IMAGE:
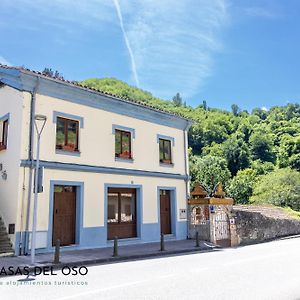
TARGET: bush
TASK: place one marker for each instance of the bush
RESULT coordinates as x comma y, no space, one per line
208,171
262,167
280,187
241,186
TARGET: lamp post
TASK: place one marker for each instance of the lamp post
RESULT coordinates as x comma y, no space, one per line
39,123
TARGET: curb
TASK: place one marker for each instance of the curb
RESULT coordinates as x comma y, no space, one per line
110,260
289,237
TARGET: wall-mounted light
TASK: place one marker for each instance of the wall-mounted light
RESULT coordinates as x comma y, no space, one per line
4,175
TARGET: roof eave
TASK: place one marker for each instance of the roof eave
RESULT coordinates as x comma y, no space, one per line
25,80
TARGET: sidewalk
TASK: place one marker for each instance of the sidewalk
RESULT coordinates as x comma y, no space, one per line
104,255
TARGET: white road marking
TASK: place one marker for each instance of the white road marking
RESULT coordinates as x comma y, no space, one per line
114,287
102,290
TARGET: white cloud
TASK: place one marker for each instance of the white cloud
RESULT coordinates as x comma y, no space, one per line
262,12
132,59
173,42
4,61
63,14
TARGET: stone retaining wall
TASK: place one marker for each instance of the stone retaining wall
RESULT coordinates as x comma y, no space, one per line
255,224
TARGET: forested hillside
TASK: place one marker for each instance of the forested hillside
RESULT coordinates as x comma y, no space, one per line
256,155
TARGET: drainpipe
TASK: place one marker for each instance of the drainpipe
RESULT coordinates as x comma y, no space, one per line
31,167
185,137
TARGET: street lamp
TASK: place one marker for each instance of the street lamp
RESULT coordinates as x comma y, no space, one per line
39,123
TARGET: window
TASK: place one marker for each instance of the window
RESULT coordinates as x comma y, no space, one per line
3,134
123,144
67,134
111,211
165,151
121,207
121,213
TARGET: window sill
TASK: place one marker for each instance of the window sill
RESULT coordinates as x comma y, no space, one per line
124,159
67,152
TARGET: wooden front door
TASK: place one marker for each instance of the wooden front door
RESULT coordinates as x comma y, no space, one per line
165,212
64,215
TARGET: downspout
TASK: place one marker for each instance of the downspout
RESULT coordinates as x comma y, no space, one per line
185,137
30,158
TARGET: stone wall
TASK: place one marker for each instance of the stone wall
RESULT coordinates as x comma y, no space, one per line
255,224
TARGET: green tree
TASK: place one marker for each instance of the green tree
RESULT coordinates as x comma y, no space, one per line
261,113
235,109
208,171
214,149
280,187
262,167
271,136
245,129
261,146
55,74
237,154
177,100
295,162
48,72
241,186
289,152
196,138
217,128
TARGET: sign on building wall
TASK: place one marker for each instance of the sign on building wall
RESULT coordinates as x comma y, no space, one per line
182,213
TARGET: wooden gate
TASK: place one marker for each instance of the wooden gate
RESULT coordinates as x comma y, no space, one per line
222,228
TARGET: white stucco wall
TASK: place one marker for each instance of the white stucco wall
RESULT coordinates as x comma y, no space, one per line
97,142
11,101
93,210
97,147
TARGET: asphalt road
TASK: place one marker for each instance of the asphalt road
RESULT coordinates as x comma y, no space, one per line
264,271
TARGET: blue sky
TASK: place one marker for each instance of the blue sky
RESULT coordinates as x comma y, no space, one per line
221,51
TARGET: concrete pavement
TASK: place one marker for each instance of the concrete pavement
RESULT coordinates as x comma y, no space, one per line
104,255
261,271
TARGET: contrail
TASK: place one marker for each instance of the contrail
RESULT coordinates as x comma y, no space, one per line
133,66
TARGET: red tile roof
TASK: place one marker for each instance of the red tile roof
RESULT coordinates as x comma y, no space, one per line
77,84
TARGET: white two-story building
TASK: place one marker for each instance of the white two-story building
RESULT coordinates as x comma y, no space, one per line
111,166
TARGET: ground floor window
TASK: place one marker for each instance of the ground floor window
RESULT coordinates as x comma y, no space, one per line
121,213
3,134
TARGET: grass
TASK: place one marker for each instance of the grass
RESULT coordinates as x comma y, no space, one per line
291,212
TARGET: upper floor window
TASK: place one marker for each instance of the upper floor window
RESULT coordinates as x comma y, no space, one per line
165,155
123,144
3,134
67,132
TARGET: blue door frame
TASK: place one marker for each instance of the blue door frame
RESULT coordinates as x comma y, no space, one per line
79,209
173,200
139,206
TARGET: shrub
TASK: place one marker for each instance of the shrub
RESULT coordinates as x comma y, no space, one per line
209,170
241,186
280,187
